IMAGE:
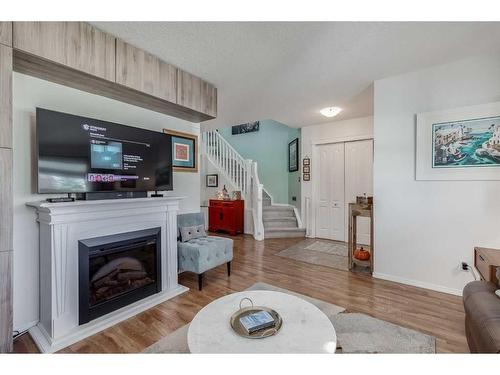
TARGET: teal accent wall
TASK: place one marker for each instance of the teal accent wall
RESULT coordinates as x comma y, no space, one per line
269,148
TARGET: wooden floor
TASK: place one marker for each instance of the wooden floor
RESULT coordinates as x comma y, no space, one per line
430,312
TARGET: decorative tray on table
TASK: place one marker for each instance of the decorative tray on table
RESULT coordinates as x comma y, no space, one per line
240,330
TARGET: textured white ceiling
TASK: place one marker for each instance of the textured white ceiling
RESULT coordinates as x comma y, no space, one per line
288,71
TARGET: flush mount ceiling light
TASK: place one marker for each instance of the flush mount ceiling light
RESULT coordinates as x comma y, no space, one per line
330,111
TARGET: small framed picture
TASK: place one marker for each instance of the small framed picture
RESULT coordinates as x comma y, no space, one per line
306,169
212,180
293,155
307,177
306,161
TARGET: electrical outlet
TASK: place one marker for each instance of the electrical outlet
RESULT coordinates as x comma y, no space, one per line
465,266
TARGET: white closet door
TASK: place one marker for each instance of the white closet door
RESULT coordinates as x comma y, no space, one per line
330,211
359,180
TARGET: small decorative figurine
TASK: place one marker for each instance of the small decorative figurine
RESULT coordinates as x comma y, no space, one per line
225,193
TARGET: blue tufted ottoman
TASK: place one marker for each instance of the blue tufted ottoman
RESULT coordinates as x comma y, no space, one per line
202,254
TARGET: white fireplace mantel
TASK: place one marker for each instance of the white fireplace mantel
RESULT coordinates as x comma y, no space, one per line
62,225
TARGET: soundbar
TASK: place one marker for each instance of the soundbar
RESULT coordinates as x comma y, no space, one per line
100,195
60,199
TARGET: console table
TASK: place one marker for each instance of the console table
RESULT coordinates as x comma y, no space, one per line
486,262
355,211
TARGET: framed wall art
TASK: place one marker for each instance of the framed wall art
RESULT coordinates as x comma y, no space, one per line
459,144
212,180
293,155
249,127
184,151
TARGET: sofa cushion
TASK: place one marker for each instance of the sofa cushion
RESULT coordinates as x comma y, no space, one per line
201,254
482,310
475,287
190,233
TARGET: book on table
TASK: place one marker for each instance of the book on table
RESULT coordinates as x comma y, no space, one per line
256,321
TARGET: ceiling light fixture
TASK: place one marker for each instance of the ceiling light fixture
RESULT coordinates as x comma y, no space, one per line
330,111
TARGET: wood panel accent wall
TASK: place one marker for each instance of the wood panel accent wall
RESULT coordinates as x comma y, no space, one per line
6,33
209,99
188,90
5,199
145,72
6,301
5,96
77,45
41,68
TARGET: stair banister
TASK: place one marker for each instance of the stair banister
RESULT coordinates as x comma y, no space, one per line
257,204
241,172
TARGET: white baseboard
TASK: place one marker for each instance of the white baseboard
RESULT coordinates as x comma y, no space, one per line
417,283
48,345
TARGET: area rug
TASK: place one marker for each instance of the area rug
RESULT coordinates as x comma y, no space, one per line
320,252
356,333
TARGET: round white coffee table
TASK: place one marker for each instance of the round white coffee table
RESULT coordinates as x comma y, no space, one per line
305,329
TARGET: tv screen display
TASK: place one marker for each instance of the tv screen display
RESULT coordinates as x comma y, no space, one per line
79,154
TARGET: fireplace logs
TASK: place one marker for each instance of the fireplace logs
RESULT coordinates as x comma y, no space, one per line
116,277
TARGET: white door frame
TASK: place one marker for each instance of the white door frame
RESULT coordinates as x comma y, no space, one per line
311,221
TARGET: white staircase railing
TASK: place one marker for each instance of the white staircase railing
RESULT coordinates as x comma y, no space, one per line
256,199
241,172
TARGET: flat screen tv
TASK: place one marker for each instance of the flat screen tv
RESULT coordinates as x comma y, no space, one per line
80,155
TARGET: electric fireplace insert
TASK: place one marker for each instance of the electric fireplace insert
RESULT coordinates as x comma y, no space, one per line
117,270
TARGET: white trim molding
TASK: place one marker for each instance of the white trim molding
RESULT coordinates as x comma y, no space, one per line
417,283
327,140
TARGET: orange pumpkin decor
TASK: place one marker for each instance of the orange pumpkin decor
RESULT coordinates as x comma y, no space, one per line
361,254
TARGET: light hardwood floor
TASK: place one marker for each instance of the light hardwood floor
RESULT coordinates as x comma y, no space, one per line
430,312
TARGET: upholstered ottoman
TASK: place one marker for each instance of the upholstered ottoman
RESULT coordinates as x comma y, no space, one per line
202,254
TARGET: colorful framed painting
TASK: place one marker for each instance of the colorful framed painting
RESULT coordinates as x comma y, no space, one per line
184,151
293,155
459,144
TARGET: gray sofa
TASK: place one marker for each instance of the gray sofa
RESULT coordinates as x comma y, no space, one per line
202,254
482,317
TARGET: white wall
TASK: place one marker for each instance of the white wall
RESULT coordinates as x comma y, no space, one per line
423,229
207,193
335,131
29,93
